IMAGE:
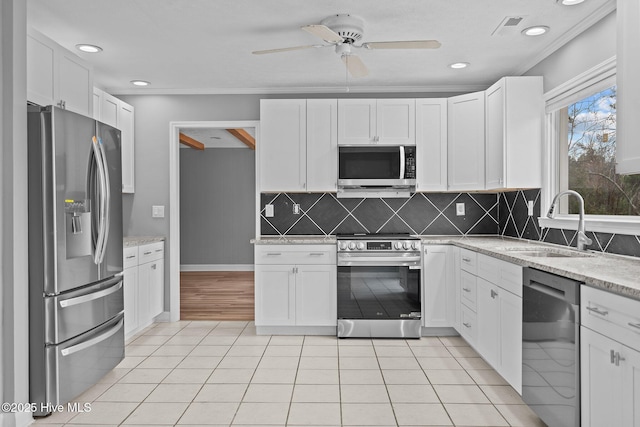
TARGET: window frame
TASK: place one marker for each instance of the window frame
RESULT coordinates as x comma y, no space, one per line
591,81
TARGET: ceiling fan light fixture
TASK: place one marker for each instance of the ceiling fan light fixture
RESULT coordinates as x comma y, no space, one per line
459,65
537,30
88,48
140,83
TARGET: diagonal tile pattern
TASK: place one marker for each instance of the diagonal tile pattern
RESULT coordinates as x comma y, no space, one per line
295,381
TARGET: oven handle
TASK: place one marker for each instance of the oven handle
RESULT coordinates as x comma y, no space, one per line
414,265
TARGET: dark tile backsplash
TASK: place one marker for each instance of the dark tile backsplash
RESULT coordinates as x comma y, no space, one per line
503,214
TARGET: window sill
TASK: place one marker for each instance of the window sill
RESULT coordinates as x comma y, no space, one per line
601,224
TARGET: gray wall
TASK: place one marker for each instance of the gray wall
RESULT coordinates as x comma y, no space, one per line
217,205
592,47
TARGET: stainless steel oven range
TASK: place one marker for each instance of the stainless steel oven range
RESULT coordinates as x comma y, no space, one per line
379,286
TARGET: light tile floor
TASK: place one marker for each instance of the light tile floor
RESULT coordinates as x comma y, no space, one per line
221,373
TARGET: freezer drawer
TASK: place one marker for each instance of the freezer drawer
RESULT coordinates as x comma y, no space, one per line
78,364
72,313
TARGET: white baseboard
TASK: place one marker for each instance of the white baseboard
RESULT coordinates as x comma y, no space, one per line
216,267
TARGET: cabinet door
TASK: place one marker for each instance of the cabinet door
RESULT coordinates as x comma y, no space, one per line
109,106
431,144
316,295
438,295
322,145
510,363
275,295
601,381
97,100
494,157
40,70
488,339
156,287
396,121
282,150
75,83
130,284
127,145
631,393
466,129
356,121
144,289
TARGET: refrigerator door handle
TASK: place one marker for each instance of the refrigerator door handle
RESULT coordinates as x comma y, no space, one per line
107,199
93,341
97,156
90,297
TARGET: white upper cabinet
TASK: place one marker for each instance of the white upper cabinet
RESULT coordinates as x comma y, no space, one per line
376,121
117,113
431,144
322,145
56,76
466,135
627,71
514,110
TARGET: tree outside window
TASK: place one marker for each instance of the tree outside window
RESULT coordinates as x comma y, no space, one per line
589,153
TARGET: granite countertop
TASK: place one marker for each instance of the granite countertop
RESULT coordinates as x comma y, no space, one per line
295,240
140,240
618,274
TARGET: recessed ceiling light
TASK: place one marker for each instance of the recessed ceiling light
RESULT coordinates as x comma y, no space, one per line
538,30
140,82
459,65
89,48
571,2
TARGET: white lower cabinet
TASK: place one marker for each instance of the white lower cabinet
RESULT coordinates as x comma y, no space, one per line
143,285
491,304
438,289
610,359
295,286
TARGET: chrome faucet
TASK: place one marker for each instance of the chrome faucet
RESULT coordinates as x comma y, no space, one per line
582,240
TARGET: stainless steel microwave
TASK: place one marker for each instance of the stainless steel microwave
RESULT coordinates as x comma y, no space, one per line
384,169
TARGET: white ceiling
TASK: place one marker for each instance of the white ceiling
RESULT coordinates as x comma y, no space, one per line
204,46
215,138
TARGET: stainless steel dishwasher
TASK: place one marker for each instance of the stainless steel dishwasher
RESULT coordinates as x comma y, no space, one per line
551,347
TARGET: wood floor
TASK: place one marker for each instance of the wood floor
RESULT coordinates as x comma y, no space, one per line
216,295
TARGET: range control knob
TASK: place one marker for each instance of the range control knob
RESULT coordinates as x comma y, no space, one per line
360,246
352,245
407,245
398,245
343,246
416,245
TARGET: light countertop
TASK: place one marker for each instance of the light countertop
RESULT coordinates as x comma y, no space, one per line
140,240
618,274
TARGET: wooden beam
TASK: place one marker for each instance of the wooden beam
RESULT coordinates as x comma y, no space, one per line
190,142
244,136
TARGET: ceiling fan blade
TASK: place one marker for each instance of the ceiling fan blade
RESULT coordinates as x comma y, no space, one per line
409,44
355,66
324,32
284,49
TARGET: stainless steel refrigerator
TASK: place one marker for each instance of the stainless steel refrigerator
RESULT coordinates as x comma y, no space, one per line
76,309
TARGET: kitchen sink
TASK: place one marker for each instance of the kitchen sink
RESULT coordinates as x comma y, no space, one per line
547,252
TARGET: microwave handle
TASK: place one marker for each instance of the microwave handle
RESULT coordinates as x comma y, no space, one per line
402,162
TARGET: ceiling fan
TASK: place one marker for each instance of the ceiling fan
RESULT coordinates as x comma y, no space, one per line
342,32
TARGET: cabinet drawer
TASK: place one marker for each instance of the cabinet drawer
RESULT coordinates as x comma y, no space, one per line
468,260
502,273
611,315
130,257
151,252
468,289
468,325
295,254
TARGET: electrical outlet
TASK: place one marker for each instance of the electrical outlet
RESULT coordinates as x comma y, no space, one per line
157,211
530,207
296,209
460,209
268,210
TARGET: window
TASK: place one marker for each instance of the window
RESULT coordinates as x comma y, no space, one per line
587,157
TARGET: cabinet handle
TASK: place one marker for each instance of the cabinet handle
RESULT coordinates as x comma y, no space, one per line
294,270
616,358
466,259
159,250
131,256
148,253
467,325
316,253
494,294
634,325
274,253
466,289
62,104
153,267
597,311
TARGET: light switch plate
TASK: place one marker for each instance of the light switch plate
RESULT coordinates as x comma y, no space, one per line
460,209
530,207
157,211
268,211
